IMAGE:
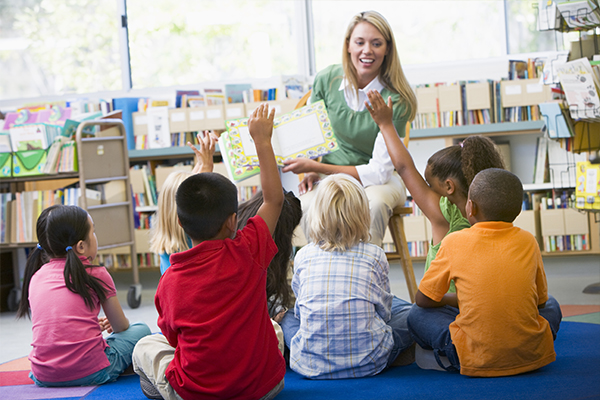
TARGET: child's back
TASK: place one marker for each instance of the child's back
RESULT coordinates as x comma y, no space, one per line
500,284
346,323
500,280
344,300
212,303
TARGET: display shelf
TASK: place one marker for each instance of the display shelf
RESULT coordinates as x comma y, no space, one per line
72,175
499,129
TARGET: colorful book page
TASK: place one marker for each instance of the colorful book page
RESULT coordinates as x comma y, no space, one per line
302,133
235,170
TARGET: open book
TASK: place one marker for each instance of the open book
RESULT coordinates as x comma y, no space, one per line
302,133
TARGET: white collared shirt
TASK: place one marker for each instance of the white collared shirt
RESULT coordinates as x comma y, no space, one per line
380,168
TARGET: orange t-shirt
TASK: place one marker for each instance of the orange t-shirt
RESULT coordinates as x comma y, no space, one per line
500,281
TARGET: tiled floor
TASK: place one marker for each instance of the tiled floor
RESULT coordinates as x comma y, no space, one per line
567,277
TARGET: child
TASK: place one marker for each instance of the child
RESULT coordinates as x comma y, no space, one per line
347,324
218,340
442,195
279,293
65,293
167,236
507,321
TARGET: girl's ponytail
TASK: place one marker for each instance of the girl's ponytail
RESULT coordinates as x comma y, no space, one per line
34,263
77,280
478,153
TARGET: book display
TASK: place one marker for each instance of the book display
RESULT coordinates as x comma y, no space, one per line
302,133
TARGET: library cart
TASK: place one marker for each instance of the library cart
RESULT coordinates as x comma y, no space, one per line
104,159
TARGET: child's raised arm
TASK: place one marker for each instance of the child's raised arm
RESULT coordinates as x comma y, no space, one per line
425,197
260,126
204,155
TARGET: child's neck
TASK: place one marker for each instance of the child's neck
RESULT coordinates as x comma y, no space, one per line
460,202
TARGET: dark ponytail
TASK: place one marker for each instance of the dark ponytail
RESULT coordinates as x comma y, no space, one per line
462,162
61,228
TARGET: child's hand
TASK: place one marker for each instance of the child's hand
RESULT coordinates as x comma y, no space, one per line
380,111
260,124
105,325
204,155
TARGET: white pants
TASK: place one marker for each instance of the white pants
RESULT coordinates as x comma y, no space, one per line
153,354
382,200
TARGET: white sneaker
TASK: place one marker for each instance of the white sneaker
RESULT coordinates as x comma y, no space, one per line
426,359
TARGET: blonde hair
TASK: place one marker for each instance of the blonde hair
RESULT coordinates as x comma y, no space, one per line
391,73
339,217
167,236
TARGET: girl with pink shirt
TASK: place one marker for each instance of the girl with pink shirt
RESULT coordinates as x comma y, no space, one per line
62,294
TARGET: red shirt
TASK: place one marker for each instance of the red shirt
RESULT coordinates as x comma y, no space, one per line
212,308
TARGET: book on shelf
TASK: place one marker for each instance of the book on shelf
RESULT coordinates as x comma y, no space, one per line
181,97
580,84
302,133
237,92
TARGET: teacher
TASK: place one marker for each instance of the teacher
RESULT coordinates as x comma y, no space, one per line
369,62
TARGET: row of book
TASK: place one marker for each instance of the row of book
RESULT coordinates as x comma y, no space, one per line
573,236
486,101
555,162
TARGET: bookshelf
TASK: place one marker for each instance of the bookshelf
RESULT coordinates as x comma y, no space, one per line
101,160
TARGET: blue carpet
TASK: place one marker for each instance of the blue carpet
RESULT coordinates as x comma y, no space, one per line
574,375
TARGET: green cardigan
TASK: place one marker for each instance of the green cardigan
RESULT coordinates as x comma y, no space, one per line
355,130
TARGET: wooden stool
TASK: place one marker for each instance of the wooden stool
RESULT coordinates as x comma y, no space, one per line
396,226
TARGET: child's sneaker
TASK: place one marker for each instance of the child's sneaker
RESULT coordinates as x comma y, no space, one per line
426,359
406,357
148,389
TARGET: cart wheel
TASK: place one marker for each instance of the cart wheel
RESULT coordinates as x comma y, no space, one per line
14,297
134,299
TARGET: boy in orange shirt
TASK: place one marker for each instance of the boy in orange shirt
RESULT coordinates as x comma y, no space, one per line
501,320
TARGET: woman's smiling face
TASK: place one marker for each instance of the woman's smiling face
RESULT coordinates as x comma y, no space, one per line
367,48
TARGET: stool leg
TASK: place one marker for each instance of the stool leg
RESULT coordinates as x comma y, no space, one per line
397,231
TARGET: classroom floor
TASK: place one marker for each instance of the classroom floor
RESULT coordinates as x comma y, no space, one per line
567,277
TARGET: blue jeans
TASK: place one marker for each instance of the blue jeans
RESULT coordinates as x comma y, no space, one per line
402,339
118,353
430,328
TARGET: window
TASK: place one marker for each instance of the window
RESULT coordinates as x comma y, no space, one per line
425,31
52,46
187,41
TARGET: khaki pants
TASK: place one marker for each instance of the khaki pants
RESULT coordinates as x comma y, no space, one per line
382,200
153,354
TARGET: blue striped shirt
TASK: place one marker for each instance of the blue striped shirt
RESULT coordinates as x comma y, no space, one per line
343,301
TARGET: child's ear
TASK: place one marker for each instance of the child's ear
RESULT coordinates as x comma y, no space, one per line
231,223
80,247
450,186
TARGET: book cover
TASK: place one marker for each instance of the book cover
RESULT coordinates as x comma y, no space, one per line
305,132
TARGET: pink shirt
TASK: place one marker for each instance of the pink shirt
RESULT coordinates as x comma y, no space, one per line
67,340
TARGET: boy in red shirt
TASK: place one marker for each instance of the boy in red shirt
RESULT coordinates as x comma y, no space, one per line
218,341
501,320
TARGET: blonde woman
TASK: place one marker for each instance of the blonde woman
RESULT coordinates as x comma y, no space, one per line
369,62
167,236
346,323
